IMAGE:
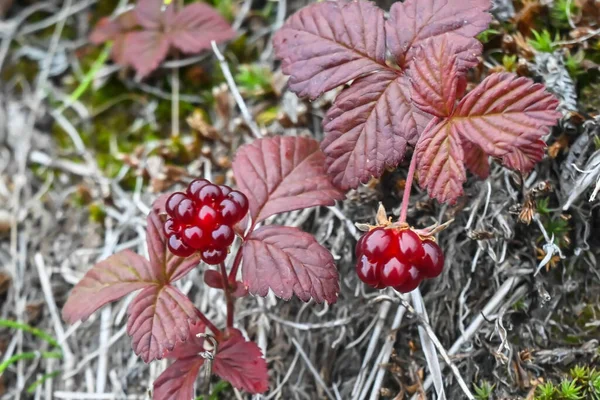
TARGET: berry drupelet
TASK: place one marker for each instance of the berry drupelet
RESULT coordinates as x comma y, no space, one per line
398,258
202,219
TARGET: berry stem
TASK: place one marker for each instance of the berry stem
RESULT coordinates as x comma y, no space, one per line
228,297
407,188
236,265
208,323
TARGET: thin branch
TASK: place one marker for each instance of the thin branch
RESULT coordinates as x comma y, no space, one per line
235,92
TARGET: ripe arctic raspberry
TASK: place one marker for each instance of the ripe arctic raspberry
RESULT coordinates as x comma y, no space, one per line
202,219
398,258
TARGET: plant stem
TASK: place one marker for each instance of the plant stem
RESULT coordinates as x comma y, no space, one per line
407,188
208,323
235,266
230,300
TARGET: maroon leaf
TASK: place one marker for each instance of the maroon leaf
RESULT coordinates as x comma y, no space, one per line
368,128
158,206
476,160
440,160
411,22
108,281
523,158
192,346
190,30
505,116
146,50
158,318
213,279
505,112
194,27
149,13
237,361
168,267
435,73
177,381
289,261
110,28
328,44
241,363
281,174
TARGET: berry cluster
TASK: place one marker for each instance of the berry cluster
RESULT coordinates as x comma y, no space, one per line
397,258
202,220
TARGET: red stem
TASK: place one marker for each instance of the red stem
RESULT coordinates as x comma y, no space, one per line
230,300
407,188
236,265
208,323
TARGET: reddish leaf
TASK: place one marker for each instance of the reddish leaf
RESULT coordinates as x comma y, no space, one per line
289,261
190,30
110,28
328,44
149,13
505,112
194,27
213,279
158,318
146,50
192,346
108,281
237,361
168,267
281,174
413,21
505,116
435,73
368,128
476,160
177,381
523,158
158,206
241,363
440,161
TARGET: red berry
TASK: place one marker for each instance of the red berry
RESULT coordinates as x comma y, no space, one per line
177,247
432,262
410,247
222,236
173,201
394,272
412,281
229,211
241,200
214,256
367,271
225,190
378,244
194,188
209,194
171,227
194,237
207,217
184,212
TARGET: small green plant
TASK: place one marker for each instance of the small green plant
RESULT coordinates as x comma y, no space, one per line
583,382
561,11
573,63
509,62
487,35
254,80
569,390
545,391
542,41
484,390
